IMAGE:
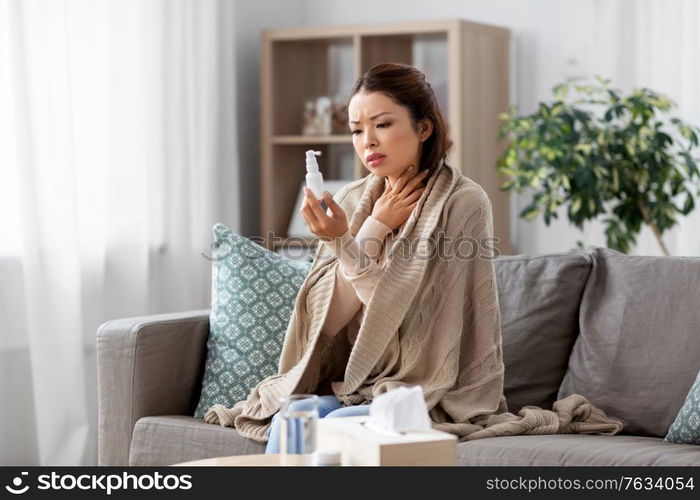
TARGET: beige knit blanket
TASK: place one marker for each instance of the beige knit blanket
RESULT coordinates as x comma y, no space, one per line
458,364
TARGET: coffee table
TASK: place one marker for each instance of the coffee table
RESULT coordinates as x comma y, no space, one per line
269,459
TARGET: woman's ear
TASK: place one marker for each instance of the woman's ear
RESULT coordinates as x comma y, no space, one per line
426,129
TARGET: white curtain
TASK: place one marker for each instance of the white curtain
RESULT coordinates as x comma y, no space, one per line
655,44
116,128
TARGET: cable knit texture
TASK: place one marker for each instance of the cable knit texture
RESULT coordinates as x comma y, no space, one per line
430,321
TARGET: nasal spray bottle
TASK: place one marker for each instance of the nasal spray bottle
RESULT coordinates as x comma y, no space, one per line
314,178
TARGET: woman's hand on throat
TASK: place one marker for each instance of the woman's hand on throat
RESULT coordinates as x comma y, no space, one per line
397,202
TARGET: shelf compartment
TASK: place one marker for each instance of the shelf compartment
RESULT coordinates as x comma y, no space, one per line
307,69
426,51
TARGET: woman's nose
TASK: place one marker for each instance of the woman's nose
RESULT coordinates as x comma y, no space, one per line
370,140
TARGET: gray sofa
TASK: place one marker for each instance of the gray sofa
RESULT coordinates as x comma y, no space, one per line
621,330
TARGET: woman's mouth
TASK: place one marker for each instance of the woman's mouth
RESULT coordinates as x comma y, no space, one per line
376,161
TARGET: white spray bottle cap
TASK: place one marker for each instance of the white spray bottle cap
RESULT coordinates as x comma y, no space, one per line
311,163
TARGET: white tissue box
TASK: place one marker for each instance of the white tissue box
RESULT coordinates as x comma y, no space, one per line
360,445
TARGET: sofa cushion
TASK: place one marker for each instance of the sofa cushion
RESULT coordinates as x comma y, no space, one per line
576,449
253,294
686,426
638,350
167,440
539,297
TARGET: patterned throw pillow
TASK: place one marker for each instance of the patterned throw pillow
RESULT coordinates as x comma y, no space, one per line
253,296
686,428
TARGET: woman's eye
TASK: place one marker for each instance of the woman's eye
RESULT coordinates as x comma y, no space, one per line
384,125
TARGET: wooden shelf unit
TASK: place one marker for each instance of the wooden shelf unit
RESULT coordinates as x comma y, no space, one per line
467,64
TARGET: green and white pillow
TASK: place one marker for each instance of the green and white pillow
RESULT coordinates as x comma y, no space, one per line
685,429
253,296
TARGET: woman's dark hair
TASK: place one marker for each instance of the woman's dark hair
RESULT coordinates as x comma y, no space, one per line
407,86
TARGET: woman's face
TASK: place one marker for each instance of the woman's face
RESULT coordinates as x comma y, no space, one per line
379,126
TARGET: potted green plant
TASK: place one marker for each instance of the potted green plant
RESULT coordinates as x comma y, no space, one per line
601,152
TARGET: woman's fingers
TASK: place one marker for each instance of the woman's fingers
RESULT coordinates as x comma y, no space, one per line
415,195
403,179
332,205
308,218
307,212
310,225
415,181
325,225
315,205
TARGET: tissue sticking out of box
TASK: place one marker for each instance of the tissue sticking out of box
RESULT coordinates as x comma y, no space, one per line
399,411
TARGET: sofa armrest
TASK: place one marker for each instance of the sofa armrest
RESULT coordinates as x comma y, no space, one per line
148,365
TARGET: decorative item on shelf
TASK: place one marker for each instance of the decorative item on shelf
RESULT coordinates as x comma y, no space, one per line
317,116
309,126
340,115
297,225
325,115
324,107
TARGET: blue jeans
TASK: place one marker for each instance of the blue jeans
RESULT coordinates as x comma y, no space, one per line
328,407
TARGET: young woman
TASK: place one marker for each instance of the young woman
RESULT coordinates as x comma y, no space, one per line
400,134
